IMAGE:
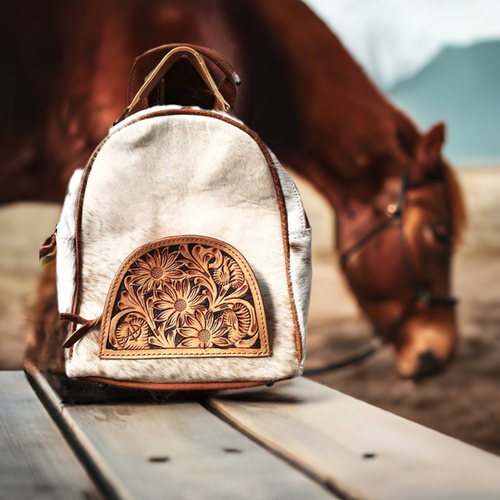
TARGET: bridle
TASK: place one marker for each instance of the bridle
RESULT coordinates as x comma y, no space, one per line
421,298
395,217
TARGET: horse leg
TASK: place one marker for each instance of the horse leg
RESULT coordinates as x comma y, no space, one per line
46,334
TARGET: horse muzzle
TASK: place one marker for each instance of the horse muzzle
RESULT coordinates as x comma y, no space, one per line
425,341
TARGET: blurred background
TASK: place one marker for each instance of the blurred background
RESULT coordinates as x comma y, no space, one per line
438,60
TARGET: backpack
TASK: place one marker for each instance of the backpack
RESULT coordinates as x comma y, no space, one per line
183,248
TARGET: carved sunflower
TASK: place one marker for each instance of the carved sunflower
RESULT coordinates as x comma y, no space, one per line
229,274
203,331
132,333
156,268
178,302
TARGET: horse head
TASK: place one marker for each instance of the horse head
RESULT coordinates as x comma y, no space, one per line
398,206
396,242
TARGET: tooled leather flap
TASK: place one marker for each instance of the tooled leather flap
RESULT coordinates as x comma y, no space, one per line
184,296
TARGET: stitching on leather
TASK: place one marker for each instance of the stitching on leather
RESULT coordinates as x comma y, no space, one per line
218,59
286,240
299,203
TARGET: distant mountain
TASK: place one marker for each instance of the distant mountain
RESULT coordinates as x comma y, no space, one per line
395,39
439,60
461,87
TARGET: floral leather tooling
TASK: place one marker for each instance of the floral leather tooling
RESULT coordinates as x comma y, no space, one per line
184,296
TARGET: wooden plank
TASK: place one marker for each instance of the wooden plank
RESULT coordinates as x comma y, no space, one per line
176,450
35,461
364,452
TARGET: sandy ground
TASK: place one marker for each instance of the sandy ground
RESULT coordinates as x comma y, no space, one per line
23,227
462,402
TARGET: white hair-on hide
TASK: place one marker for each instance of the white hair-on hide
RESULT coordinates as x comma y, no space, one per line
66,255
300,238
187,174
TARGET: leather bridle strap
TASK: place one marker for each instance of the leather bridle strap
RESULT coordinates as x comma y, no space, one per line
363,241
372,347
420,296
396,214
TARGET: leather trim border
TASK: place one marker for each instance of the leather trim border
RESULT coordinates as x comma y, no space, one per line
277,184
150,386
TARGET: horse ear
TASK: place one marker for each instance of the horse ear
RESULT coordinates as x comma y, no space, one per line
431,145
427,152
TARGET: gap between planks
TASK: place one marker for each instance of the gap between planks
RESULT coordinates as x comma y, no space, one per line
364,452
326,482
114,441
98,470
35,459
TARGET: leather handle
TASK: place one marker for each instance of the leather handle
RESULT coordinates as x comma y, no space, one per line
146,62
164,65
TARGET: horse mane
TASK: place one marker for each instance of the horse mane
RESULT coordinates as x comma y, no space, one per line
457,203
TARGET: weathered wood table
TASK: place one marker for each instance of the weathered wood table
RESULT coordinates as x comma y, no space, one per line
297,440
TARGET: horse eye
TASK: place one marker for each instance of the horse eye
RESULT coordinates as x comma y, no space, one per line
441,234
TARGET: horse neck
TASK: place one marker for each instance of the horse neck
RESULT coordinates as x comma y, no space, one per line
360,202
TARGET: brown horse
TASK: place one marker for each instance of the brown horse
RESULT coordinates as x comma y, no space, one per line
398,205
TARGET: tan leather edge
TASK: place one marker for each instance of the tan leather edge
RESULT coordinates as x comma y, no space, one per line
279,193
147,386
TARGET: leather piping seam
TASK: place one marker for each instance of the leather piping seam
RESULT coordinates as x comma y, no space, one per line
277,184
174,386
286,242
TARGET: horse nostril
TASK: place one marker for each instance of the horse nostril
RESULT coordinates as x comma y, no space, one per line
429,364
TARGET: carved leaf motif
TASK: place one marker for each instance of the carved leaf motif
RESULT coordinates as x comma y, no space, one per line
244,344
238,319
184,297
229,274
162,340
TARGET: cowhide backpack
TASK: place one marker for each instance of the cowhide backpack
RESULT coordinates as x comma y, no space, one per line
183,248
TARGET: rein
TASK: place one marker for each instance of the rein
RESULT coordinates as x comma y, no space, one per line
421,297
